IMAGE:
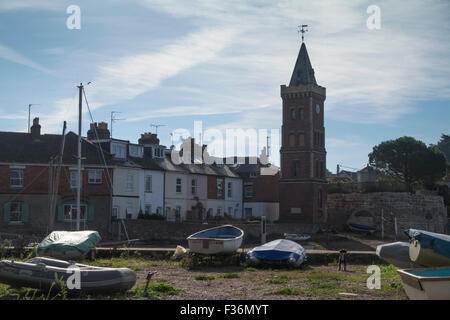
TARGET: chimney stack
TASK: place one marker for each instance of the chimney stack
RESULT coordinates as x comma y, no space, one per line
36,129
102,131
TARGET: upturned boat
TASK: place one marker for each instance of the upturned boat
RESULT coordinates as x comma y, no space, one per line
280,251
47,274
361,221
426,283
224,239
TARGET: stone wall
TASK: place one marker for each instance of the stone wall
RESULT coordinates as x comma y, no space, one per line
412,211
177,232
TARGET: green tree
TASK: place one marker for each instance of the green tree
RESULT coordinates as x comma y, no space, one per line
410,161
444,146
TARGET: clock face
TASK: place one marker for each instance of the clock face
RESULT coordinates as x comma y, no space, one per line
317,108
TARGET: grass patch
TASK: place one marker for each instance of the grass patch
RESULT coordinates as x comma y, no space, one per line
286,292
250,269
203,277
230,276
156,290
279,279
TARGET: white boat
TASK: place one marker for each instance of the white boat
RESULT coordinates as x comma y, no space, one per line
426,283
297,237
224,239
397,254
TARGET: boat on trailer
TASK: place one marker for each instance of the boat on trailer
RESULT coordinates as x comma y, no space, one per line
224,239
41,273
426,283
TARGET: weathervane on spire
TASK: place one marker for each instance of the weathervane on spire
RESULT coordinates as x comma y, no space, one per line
301,29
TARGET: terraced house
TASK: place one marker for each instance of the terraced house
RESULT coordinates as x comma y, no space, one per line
38,194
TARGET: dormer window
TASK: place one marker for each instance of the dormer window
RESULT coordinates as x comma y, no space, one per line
119,150
136,151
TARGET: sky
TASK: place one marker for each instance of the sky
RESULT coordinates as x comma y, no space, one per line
173,62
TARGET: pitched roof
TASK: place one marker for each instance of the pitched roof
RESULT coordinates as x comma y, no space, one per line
303,72
18,147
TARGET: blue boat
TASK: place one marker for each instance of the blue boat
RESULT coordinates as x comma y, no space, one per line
362,221
279,251
428,248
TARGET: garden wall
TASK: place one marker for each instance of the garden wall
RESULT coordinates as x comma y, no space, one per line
412,210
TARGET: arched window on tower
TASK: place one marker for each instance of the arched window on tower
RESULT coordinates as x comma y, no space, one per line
291,140
293,114
296,168
301,139
319,199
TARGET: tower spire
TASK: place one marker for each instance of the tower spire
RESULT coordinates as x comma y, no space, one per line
303,73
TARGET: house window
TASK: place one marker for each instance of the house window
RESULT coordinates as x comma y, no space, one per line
148,184
136,151
119,150
115,212
73,179
130,182
301,139
159,210
194,186
248,190
70,212
230,211
219,188
95,176
148,209
16,178
219,211
248,212
178,185
253,174
178,213
15,212
129,211
230,189
292,113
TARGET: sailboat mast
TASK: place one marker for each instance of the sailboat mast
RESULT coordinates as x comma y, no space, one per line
80,87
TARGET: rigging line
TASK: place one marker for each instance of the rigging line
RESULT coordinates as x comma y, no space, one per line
99,147
14,197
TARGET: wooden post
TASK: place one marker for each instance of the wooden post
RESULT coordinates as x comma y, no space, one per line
395,227
382,225
263,230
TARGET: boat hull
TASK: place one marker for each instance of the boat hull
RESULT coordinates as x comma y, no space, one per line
41,273
279,252
426,283
426,256
397,254
218,240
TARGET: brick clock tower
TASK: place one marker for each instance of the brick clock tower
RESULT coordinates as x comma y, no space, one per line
303,185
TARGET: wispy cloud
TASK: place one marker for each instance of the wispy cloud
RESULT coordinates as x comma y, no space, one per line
13,56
